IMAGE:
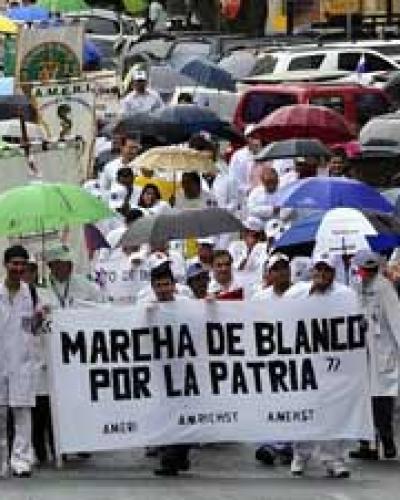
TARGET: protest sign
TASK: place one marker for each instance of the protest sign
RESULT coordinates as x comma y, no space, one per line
196,372
48,53
67,109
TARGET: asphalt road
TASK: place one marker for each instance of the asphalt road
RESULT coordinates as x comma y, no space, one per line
218,472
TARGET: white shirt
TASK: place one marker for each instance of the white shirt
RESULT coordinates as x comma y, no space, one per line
205,200
226,192
240,168
302,289
267,293
76,291
182,292
214,287
239,251
261,204
109,174
141,103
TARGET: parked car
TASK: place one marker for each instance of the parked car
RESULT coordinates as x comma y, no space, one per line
108,30
350,59
358,104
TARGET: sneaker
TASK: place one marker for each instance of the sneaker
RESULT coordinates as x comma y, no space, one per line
166,472
22,474
298,465
337,470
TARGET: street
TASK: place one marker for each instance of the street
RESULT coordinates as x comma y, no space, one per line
218,472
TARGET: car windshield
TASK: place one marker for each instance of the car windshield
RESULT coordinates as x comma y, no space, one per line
186,50
259,104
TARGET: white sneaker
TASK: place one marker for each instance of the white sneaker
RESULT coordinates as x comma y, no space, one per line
337,469
298,465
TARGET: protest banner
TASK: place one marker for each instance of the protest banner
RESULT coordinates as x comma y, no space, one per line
67,109
198,372
48,53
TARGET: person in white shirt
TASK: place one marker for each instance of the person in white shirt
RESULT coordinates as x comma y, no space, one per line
223,281
130,148
18,367
261,202
192,195
150,201
242,163
323,284
250,252
141,99
66,288
158,15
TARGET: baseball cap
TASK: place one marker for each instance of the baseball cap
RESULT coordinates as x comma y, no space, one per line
325,258
195,270
367,259
59,253
206,241
274,259
253,224
157,259
139,74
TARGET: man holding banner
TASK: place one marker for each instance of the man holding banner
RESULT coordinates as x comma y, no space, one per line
331,453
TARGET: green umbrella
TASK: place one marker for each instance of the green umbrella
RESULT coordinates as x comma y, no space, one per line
63,5
42,207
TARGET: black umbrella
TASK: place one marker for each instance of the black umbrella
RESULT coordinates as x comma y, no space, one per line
293,148
180,224
15,106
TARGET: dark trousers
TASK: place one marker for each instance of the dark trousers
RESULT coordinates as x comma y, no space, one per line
42,431
171,457
382,411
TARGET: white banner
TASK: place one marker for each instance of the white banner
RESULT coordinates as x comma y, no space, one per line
67,110
199,372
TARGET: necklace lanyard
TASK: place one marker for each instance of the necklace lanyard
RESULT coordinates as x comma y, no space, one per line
62,299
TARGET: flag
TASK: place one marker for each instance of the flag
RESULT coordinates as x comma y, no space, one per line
362,65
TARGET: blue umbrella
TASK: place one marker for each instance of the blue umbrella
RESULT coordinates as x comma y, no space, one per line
341,230
324,193
28,13
208,74
192,119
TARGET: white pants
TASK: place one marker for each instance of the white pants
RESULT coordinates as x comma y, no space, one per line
328,451
22,452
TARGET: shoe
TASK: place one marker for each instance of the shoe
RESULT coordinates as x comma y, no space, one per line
22,474
151,451
166,472
266,455
364,453
298,465
337,470
389,448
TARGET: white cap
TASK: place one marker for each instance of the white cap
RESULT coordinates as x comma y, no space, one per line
156,259
274,228
253,224
249,129
206,241
117,196
367,259
93,187
59,253
325,258
139,74
274,259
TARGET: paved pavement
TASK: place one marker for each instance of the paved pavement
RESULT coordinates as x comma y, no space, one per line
218,472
